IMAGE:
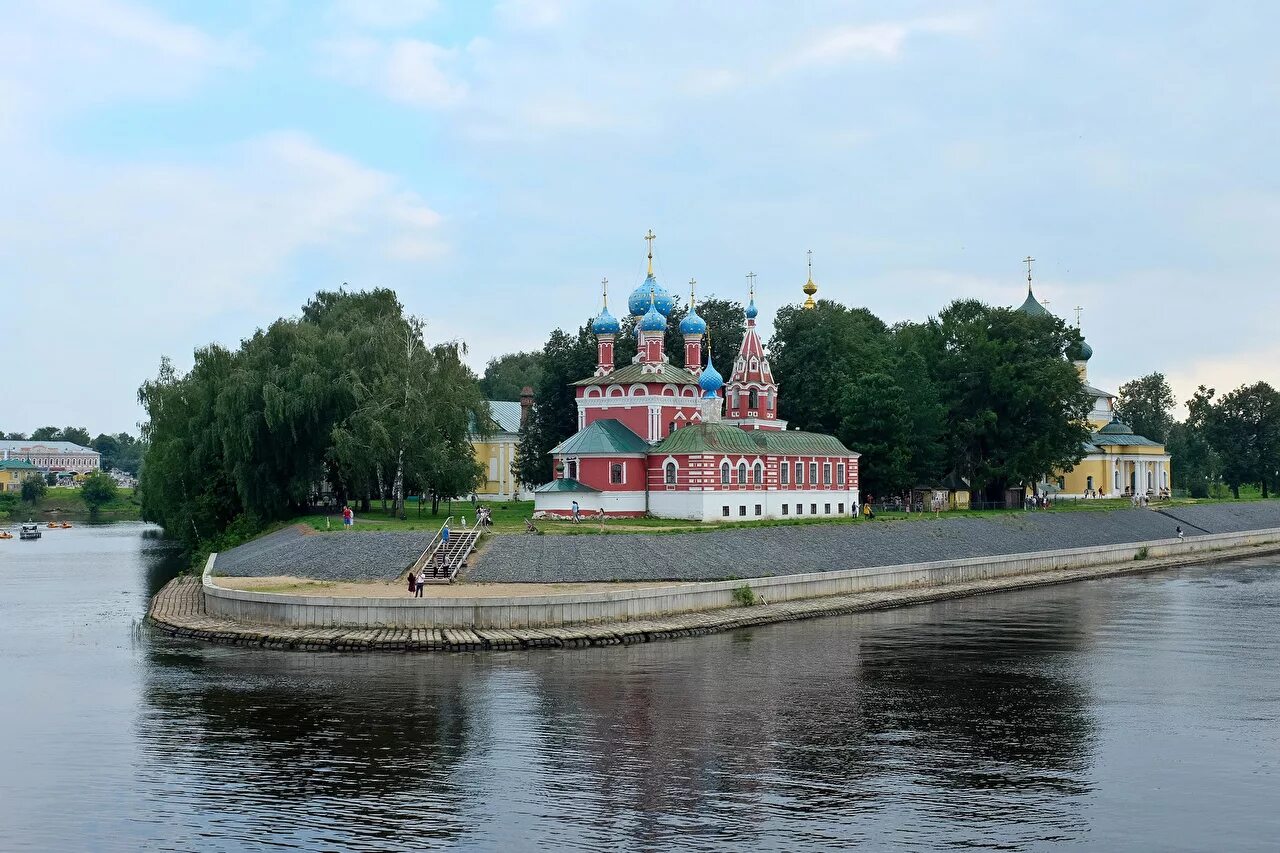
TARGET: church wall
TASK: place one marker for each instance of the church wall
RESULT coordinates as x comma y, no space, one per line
616,504
742,505
593,471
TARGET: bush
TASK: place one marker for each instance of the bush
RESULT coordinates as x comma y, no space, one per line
1199,490
98,489
1142,553
744,596
34,489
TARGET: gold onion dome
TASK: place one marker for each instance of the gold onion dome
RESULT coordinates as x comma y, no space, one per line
809,287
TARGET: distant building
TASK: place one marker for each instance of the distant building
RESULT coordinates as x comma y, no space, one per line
55,456
496,453
13,472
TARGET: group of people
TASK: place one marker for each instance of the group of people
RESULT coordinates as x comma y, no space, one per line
576,515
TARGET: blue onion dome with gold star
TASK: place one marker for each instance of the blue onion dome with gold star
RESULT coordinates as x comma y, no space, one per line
693,324
710,381
606,323
652,321
638,302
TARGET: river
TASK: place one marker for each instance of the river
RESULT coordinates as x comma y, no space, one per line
1138,713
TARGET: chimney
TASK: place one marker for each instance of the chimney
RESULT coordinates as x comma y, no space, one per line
526,404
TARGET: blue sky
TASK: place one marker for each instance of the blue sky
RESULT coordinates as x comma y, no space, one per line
185,172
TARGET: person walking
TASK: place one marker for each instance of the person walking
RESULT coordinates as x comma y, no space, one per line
600,518
413,582
577,518
444,534
348,517
1179,532
422,581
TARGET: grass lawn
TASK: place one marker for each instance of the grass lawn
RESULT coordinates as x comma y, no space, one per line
508,517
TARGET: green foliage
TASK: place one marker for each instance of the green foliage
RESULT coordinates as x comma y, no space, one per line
565,359
46,433
1141,553
33,489
744,596
121,451
983,391
348,394
1243,428
505,376
1146,404
97,490
51,479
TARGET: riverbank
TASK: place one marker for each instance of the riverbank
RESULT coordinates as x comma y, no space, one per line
183,609
61,503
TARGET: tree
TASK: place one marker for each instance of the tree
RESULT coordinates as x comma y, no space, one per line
75,435
505,376
1244,430
1015,407
15,436
97,490
877,422
1146,405
565,359
33,489
46,433
51,479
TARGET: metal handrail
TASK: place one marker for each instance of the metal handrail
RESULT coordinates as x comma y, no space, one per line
422,558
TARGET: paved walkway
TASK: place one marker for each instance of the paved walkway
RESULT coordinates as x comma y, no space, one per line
798,549
178,609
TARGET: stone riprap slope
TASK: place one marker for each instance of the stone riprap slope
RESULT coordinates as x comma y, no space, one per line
766,551
302,552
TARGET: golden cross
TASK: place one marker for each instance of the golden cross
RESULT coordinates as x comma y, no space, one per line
649,238
1028,260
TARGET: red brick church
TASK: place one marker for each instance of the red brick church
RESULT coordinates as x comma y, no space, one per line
679,442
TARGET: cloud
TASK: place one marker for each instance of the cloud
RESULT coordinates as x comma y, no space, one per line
381,14
410,71
842,44
56,57
161,254
530,14
1225,373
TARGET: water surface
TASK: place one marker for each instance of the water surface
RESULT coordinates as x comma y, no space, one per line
1134,713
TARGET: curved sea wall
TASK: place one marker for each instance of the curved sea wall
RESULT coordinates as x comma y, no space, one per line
627,605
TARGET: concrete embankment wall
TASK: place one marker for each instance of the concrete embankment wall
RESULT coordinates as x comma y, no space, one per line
633,604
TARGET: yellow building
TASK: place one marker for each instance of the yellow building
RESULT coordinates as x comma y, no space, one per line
1116,462
498,451
13,472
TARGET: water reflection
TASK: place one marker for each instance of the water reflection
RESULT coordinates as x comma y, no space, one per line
1008,722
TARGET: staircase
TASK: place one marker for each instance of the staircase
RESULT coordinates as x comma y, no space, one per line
442,560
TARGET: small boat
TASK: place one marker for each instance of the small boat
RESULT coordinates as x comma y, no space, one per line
30,530
53,525
4,534
66,525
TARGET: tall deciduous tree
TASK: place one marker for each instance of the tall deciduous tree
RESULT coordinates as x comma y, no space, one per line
505,376
1244,430
1146,404
566,358
97,490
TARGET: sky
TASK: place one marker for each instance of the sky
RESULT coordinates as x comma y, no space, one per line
180,173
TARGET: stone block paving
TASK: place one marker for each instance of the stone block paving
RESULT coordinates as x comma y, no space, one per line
787,550
300,551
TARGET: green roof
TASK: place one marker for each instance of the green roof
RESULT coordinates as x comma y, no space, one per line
1032,307
1118,433
667,373
11,464
564,484
723,438
603,436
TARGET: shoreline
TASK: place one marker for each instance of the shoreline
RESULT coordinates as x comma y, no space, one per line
179,610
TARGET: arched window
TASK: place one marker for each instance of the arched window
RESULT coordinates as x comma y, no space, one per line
1117,479
1088,483
615,473
671,427
755,365
753,399
724,473
671,474
757,474
784,471
571,470
742,473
